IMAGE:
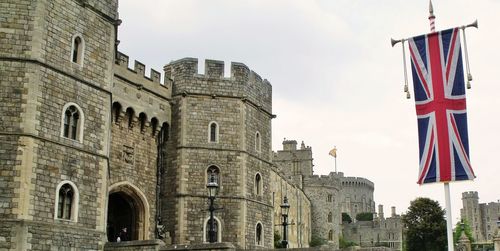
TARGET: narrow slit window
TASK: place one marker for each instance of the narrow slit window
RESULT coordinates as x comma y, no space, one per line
77,50
213,132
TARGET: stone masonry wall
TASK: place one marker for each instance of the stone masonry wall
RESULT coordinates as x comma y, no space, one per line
35,58
319,189
299,234
356,195
134,144
16,33
241,107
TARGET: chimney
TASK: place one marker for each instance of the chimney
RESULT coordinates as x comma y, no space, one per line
381,212
393,211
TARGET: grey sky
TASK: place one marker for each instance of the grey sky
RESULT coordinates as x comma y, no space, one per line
336,80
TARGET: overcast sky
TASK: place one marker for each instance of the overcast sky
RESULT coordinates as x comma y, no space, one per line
336,80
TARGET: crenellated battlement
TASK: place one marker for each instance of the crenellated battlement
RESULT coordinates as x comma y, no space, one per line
356,181
322,180
139,68
470,195
242,83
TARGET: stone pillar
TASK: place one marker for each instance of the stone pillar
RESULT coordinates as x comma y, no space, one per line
463,243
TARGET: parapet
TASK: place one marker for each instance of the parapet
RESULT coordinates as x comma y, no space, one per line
138,77
106,7
242,83
328,181
289,145
470,195
357,182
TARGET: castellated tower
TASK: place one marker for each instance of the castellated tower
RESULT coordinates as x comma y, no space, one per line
322,191
56,60
221,127
356,195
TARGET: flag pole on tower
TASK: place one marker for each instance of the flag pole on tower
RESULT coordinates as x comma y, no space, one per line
333,153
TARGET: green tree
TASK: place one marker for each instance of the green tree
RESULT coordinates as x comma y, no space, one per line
343,243
346,218
426,227
365,216
458,231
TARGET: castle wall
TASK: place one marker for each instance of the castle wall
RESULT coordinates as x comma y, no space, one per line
379,232
241,108
481,217
323,192
356,195
293,161
299,234
35,59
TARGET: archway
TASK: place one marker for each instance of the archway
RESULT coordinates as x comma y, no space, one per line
127,209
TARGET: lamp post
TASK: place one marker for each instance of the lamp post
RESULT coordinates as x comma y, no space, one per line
212,187
285,208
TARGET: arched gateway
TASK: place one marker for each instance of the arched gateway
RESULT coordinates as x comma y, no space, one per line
127,209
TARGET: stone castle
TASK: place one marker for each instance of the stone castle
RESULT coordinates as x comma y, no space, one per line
481,217
90,147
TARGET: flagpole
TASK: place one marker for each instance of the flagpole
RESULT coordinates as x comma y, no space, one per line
449,229
448,216
335,164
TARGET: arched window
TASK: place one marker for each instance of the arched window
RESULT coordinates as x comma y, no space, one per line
130,117
217,229
163,136
72,122
66,206
117,109
258,184
330,217
142,120
213,171
213,132
154,126
257,141
330,235
77,50
259,236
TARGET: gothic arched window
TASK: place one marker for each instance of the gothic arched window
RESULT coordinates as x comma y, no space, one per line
66,206
330,217
217,230
72,122
330,235
213,171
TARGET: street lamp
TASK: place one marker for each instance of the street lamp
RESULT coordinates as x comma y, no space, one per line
285,208
213,188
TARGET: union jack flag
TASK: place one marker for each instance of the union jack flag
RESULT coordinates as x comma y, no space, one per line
438,82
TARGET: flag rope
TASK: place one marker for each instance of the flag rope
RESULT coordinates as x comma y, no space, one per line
467,67
404,70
